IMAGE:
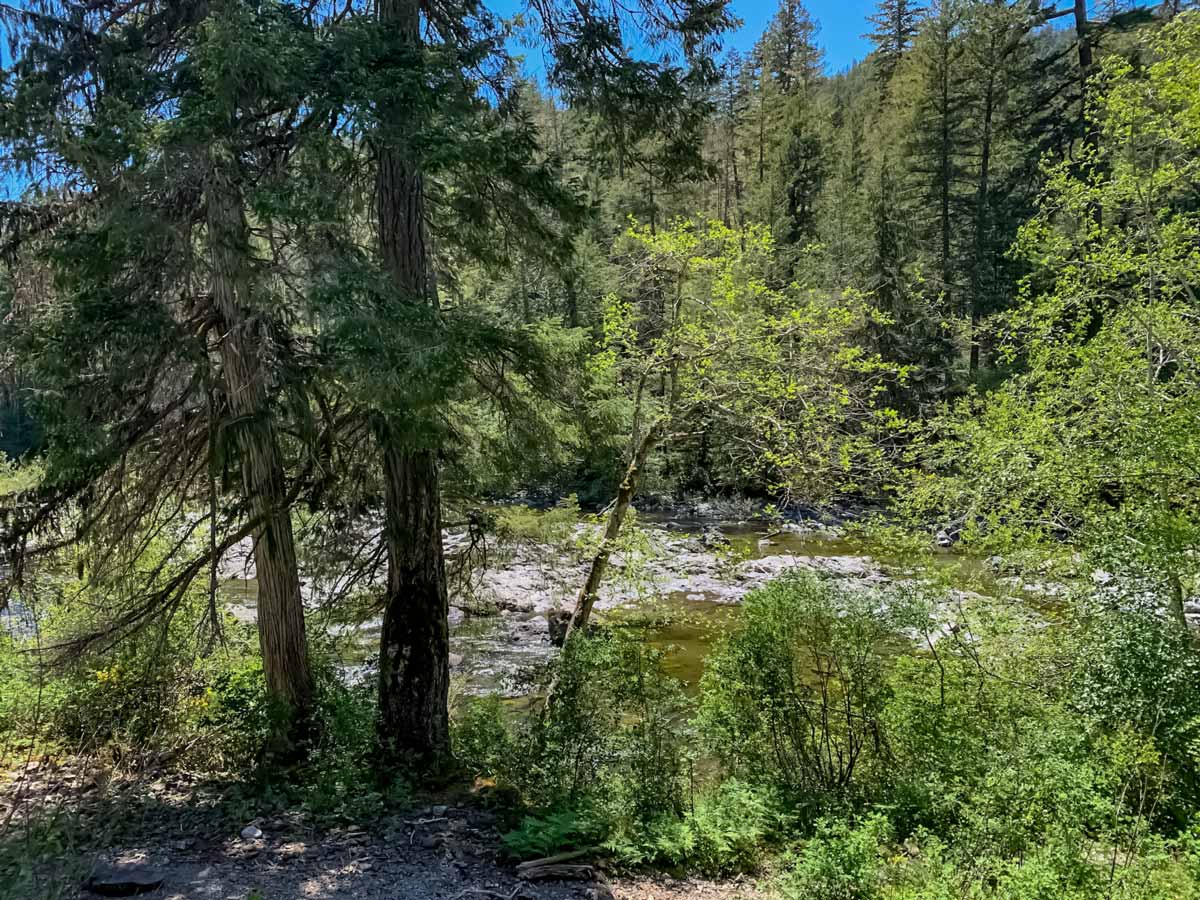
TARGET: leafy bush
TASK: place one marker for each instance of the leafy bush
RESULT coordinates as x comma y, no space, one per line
727,829
1135,669
543,835
840,862
606,757
518,523
794,695
336,778
992,745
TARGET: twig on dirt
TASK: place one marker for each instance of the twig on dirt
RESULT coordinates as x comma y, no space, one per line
563,857
429,821
486,893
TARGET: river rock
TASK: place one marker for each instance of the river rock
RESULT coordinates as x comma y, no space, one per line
559,621
251,833
124,880
534,629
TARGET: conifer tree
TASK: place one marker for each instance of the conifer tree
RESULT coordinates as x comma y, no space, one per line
164,345
896,23
804,169
996,67
791,57
595,69
935,147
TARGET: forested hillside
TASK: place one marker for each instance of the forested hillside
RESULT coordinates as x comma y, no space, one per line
542,448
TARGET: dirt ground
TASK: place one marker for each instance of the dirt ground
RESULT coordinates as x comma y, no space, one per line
61,826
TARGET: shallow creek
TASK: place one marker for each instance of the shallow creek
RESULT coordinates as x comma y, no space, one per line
683,590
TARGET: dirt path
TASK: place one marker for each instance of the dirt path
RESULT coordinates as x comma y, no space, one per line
59,828
436,853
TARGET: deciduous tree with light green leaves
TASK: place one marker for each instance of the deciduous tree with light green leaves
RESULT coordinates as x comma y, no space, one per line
698,341
1096,441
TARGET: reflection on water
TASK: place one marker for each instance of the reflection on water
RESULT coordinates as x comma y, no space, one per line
688,632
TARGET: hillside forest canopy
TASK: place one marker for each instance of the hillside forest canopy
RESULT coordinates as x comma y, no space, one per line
546,438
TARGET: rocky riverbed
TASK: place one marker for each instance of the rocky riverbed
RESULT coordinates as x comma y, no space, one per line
686,572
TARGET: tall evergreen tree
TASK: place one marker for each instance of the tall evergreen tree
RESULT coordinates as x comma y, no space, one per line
896,23
996,66
791,57
596,70
804,169
935,146
148,144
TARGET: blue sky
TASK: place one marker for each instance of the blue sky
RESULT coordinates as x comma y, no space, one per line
842,22
841,25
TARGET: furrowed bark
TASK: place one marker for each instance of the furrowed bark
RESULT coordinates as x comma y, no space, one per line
280,610
414,650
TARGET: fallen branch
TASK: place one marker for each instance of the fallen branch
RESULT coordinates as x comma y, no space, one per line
558,873
565,856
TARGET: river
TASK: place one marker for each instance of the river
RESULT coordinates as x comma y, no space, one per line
683,586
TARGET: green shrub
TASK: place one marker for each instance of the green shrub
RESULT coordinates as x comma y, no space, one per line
481,739
728,829
1133,668
338,778
793,696
840,862
607,756
542,835
520,524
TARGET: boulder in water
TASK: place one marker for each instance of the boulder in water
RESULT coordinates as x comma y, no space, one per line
559,621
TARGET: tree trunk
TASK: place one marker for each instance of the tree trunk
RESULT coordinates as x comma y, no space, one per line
612,529
414,649
280,610
982,218
1084,43
414,645
1175,603
944,168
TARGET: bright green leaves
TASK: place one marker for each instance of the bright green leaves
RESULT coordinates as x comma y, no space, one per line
699,335
1095,439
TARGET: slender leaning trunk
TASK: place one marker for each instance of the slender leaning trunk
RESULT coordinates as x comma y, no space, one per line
280,610
612,529
414,649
